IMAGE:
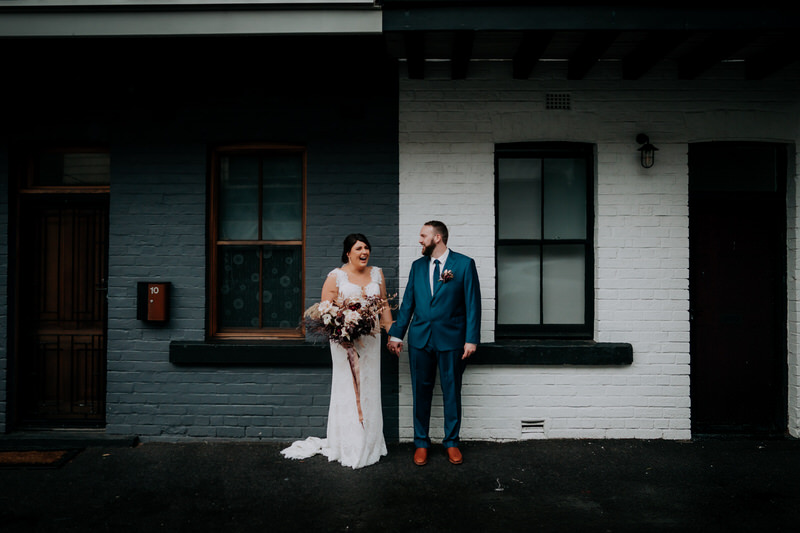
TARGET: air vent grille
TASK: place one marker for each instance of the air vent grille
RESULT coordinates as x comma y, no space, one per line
558,101
532,429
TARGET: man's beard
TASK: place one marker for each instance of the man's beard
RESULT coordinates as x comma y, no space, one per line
427,251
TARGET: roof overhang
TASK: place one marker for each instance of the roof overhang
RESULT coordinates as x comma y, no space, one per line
690,37
509,15
111,18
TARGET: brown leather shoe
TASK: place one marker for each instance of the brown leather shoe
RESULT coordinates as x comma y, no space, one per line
454,455
421,456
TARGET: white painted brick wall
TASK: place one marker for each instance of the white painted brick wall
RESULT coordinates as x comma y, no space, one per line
448,130
793,326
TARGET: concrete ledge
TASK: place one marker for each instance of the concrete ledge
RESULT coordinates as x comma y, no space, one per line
302,353
551,352
267,353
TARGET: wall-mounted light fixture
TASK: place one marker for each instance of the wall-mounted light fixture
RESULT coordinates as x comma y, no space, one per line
647,150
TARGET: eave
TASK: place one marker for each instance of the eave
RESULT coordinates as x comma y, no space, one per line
148,18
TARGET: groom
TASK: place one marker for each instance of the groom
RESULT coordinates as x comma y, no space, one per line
442,301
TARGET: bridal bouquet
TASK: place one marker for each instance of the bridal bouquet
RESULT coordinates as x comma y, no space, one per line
343,322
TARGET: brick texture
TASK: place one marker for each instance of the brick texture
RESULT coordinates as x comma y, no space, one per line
159,143
158,227
447,134
442,147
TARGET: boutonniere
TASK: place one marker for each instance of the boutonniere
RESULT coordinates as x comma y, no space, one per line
446,276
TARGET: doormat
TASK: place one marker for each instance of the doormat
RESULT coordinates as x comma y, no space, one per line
36,458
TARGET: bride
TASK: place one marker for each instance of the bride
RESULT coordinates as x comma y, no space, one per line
349,440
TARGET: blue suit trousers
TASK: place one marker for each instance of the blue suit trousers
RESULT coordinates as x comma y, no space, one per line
424,364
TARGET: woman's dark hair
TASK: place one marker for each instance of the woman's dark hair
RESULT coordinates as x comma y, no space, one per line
349,241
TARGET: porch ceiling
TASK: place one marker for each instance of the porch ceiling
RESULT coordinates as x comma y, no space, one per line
691,39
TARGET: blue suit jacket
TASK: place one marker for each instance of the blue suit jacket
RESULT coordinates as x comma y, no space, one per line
449,318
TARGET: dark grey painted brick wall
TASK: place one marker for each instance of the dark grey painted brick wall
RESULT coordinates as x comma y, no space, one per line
159,138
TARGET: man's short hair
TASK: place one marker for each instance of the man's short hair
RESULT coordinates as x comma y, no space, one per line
440,228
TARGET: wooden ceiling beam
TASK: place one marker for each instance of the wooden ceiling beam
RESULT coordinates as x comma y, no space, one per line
594,45
529,52
415,54
781,54
719,47
651,51
462,53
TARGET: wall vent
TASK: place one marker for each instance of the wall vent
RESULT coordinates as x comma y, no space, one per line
557,101
532,429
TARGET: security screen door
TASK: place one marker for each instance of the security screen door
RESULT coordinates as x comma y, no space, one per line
61,291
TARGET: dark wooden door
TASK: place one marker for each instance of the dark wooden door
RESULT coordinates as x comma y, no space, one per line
61,295
737,289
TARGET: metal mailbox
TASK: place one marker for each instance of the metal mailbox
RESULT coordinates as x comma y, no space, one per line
153,301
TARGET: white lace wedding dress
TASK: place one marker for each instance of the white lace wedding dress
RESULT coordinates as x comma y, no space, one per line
347,440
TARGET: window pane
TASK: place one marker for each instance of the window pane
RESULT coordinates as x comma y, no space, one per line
282,217
519,198
73,169
238,204
518,285
282,302
564,199
238,286
563,284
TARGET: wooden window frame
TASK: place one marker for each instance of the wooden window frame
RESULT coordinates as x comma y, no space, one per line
545,150
215,331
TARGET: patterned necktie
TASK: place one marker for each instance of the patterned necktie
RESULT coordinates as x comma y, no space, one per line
435,275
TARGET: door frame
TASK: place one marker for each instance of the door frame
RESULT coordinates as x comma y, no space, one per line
21,188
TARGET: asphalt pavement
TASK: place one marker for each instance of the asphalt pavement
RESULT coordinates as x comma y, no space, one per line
708,485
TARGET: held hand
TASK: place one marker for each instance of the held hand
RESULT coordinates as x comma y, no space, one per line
395,347
469,349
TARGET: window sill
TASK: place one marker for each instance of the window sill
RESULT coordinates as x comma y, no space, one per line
257,353
308,354
553,352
